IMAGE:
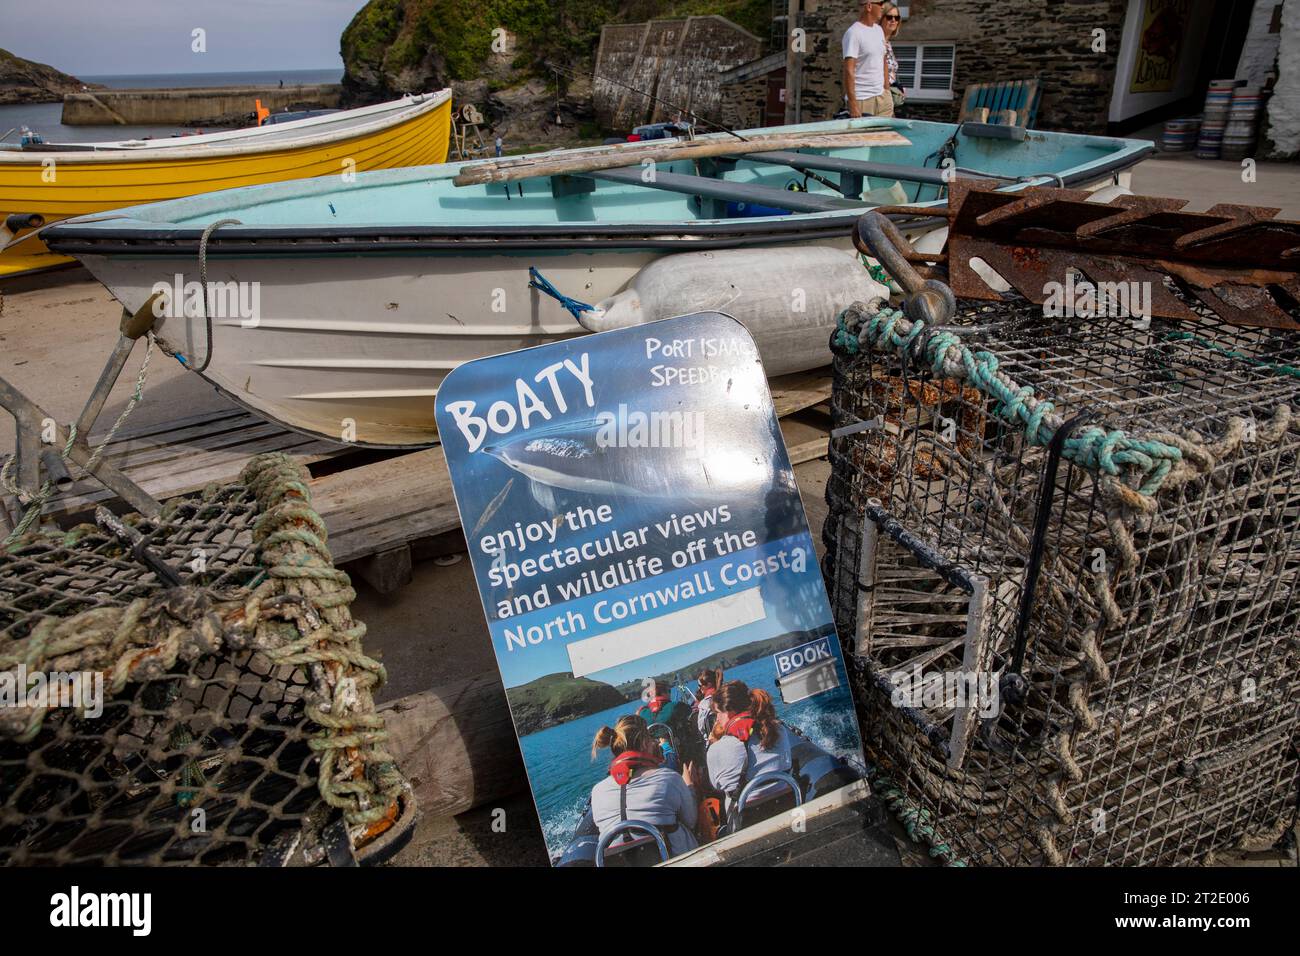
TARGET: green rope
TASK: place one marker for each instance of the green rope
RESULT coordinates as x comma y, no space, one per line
1092,447
1233,353
916,820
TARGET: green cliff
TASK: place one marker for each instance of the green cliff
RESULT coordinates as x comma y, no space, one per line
26,81
557,698
397,46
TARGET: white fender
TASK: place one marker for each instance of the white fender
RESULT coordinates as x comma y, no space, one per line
788,297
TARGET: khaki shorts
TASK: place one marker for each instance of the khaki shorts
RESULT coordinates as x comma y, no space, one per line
882,105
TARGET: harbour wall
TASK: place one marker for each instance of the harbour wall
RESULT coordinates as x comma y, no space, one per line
212,106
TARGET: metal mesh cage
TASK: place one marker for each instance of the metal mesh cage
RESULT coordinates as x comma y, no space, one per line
216,743
1059,661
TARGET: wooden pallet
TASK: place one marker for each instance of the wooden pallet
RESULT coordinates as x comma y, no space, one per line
374,511
184,456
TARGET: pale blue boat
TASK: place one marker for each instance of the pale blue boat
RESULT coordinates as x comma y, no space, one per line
370,287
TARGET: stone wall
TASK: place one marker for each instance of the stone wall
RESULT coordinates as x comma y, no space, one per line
192,107
1259,52
1284,106
744,103
1048,39
671,61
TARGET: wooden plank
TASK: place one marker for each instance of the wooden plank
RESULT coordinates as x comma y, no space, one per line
157,428
165,480
659,151
146,458
385,504
809,450
800,390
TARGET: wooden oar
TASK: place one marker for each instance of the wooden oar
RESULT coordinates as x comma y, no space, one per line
634,154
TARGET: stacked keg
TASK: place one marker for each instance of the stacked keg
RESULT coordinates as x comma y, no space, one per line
1243,123
1218,104
1180,135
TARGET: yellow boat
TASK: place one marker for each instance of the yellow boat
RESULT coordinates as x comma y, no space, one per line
44,183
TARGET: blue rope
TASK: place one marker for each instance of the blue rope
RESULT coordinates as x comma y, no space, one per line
539,282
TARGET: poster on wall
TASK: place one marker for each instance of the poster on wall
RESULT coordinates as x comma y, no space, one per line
650,586
1160,41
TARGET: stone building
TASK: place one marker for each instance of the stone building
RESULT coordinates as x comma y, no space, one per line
1103,65
642,68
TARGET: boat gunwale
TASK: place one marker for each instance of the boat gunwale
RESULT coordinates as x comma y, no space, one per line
142,237
244,142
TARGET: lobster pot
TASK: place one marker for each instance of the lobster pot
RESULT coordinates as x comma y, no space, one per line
208,752
1076,669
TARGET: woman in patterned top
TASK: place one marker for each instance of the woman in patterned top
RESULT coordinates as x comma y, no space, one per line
890,21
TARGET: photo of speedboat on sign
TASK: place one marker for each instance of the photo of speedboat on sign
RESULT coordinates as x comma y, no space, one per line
371,291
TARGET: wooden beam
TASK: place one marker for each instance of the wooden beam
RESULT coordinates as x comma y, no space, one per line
809,450
799,390
386,570
456,744
667,151
386,504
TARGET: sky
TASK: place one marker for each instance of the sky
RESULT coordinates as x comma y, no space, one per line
106,37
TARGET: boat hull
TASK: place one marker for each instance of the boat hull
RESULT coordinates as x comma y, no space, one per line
367,296
59,186
354,349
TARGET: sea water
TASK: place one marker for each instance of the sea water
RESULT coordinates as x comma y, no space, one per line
47,118
563,752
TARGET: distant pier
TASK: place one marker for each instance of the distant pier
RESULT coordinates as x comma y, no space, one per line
210,106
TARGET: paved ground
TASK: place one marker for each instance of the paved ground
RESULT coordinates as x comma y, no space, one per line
1207,182
55,333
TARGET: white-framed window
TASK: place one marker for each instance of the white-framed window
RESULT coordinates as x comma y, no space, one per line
925,69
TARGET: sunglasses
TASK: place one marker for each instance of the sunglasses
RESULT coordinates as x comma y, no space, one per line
892,16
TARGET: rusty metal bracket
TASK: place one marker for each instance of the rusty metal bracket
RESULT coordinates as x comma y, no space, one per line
1239,262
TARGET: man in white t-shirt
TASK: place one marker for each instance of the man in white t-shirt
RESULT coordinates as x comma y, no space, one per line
866,74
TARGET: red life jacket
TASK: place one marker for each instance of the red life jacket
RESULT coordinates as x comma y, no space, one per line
740,727
656,703
628,762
